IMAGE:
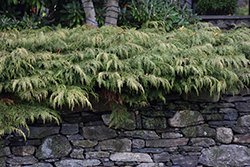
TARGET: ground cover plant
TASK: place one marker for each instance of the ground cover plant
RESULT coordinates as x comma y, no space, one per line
43,69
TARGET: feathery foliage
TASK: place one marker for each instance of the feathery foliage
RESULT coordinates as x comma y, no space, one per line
63,67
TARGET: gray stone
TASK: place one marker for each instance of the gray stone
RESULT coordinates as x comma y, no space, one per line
242,138
77,153
69,129
204,96
162,157
190,148
131,157
2,162
117,145
138,143
148,150
100,132
74,137
227,110
129,125
84,143
235,98
4,151
244,121
224,135
97,155
217,105
186,118
108,163
22,160
56,146
77,163
204,142
142,134
238,129
39,164
152,113
222,123
4,143
214,117
154,123
225,155
171,135
167,142
187,161
151,165
245,92
198,131
231,116
41,132
23,150
242,107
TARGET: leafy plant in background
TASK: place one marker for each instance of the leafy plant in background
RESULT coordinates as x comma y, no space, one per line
143,11
242,10
62,68
215,7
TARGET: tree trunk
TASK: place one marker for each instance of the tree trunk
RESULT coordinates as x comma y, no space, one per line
89,12
112,12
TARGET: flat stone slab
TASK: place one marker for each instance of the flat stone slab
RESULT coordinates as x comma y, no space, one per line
162,157
39,164
69,129
204,142
242,106
242,138
186,118
187,161
131,157
84,143
199,131
226,155
22,160
116,145
100,132
23,150
142,134
244,121
77,163
97,155
151,165
167,142
41,132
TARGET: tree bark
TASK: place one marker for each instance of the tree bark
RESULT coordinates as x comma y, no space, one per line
89,12
112,12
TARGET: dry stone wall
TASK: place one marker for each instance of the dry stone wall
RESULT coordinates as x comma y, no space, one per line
197,131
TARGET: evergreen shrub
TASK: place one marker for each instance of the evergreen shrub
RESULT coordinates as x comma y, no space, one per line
43,69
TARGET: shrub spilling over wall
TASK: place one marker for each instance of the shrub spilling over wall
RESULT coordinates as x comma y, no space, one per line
42,68
184,133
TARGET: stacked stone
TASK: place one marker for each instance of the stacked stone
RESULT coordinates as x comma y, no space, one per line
185,132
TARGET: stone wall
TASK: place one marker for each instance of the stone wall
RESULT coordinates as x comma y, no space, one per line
184,132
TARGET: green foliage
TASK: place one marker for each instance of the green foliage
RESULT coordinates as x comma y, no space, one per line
143,11
215,7
62,68
242,10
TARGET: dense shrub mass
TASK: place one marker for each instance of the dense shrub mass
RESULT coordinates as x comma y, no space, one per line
43,68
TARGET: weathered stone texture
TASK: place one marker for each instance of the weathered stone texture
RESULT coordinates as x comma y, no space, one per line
77,163
99,154
69,129
235,98
154,123
186,118
41,132
199,131
23,150
4,151
166,142
100,132
22,160
149,150
131,157
242,138
77,153
238,129
242,107
187,161
117,145
171,135
84,143
138,143
39,164
224,135
162,157
244,121
151,165
143,134
225,155
204,142
56,146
